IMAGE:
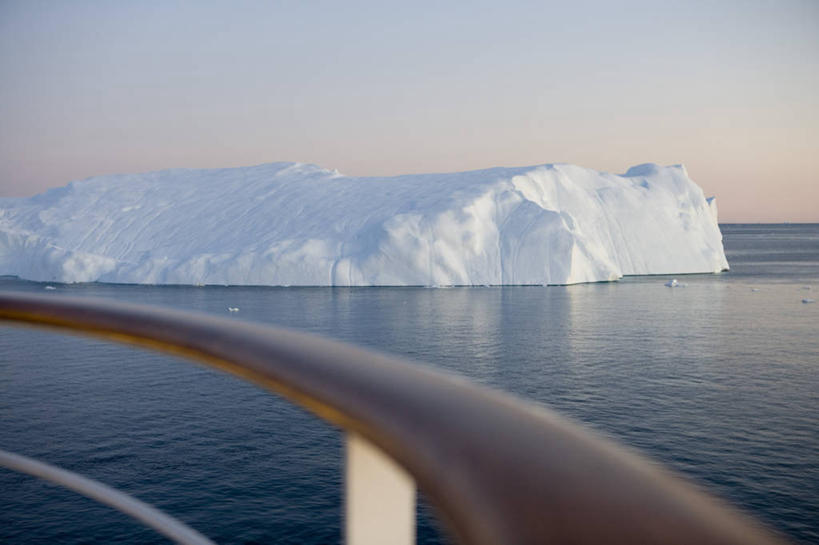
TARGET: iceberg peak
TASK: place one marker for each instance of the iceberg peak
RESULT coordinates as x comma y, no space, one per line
644,169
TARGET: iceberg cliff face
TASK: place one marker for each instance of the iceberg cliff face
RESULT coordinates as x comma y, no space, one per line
297,224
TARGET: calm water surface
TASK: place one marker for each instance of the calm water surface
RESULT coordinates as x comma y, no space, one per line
719,380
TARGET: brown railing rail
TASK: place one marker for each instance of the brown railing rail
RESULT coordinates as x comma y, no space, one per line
498,470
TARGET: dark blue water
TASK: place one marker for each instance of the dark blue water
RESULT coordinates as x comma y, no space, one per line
719,380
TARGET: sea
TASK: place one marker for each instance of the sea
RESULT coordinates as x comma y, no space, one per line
717,378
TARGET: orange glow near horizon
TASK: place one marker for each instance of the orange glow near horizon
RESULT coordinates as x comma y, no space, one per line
731,91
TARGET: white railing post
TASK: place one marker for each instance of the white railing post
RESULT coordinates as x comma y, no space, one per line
379,497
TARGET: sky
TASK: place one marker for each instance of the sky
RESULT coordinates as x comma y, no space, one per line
730,89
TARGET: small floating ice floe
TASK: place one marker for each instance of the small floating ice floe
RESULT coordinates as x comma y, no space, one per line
808,301
233,309
50,288
754,289
674,284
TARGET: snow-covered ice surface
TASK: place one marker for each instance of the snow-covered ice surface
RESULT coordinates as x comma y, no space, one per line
298,224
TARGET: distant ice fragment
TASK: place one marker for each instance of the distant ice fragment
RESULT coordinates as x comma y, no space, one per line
674,284
808,301
49,288
754,289
233,309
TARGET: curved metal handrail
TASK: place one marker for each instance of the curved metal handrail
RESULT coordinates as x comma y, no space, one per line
498,470
146,514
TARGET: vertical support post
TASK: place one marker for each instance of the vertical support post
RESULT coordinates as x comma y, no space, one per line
380,497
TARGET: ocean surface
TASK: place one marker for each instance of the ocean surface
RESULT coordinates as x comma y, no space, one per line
718,379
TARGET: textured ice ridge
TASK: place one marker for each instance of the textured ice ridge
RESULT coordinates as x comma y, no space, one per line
298,224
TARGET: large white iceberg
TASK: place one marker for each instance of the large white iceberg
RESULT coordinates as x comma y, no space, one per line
298,224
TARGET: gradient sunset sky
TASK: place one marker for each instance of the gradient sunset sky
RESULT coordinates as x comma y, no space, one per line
730,89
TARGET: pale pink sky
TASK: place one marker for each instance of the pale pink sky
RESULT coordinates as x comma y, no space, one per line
731,90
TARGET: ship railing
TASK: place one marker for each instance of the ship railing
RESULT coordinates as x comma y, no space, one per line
497,470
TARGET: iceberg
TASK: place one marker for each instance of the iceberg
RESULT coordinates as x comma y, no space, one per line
294,224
